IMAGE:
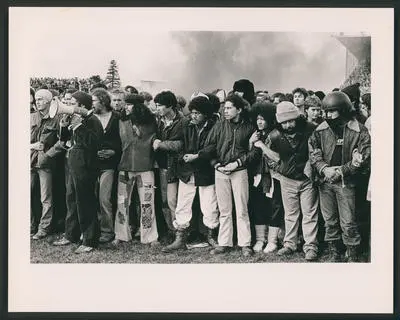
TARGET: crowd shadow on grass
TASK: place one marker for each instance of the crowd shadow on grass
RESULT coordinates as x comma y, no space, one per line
42,251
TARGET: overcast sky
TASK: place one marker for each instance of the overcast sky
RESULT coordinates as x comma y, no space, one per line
150,46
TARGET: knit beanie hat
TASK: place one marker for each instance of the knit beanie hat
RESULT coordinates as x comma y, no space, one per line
45,94
83,98
286,111
247,87
353,92
202,105
134,98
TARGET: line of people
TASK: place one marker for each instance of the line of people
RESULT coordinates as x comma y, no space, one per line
260,166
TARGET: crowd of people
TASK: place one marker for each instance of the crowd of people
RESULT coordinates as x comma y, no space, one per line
269,173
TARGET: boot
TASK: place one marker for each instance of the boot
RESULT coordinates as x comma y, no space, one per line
272,244
212,237
179,242
352,254
334,255
260,237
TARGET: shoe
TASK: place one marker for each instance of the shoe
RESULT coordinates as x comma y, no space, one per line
83,249
179,242
62,242
219,250
212,237
311,255
352,253
270,247
334,255
105,238
39,235
247,252
285,251
259,245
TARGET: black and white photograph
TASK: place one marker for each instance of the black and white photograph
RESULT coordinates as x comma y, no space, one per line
174,140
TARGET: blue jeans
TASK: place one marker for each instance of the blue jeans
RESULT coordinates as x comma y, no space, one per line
338,209
106,182
299,196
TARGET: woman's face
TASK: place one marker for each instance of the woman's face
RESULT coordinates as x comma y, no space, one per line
364,110
261,123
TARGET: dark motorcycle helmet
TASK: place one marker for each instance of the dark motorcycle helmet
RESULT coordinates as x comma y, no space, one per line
337,101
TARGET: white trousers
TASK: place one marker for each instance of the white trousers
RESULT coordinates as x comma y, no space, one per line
208,205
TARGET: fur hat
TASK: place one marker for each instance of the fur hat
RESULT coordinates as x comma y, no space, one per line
353,92
83,98
337,100
247,87
202,105
286,111
134,98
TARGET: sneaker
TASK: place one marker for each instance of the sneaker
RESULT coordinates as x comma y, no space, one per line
285,251
311,255
39,235
259,245
83,249
247,252
62,242
219,250
271,247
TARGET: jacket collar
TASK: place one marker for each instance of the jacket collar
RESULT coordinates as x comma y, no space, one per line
352,125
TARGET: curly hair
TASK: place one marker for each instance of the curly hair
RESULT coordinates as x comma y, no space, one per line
141,115
103,97
302,91
265,109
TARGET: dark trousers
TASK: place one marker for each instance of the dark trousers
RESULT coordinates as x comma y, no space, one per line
260,206
278,213
81,201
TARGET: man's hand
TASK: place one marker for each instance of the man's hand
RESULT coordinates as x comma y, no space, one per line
231,166
64,122
190,157
357,158
156,144
259,144
331,174
105,153
39,146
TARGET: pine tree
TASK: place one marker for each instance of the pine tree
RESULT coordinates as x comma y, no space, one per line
112,78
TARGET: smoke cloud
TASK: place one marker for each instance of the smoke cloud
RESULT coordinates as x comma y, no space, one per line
273,61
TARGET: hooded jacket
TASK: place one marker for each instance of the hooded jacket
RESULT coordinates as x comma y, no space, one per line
322,145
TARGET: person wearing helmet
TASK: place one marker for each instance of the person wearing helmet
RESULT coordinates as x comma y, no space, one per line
340,147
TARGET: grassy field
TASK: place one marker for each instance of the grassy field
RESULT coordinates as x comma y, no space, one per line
42,251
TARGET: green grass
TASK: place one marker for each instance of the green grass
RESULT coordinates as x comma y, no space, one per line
42,251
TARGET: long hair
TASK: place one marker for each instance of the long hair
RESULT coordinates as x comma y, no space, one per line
141,115
239,103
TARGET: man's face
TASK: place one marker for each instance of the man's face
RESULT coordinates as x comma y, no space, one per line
364,110
96,105
117,102
197,117
261,123
42,103
162,110
298,99
289,126
67,99
230,111
313,113
332,114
